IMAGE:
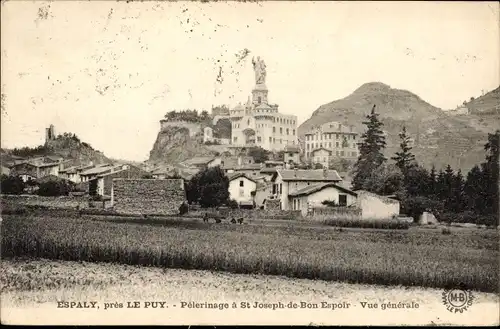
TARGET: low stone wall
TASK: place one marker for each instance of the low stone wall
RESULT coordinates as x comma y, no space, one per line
61,202
272,204
250,213
335,213
147,196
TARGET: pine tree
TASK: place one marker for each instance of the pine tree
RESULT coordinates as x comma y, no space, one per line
440,186
431,183
491,174
404,159
370,150
449,176
458,197
474,189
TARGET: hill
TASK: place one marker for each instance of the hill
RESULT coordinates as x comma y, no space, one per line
488,104
439,139
66,145
177,143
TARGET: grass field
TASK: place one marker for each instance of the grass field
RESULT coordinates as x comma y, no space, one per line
429,259
32,288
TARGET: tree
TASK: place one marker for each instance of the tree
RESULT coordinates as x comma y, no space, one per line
431,183
457,197
318,166
258,154
55,188
370,150
209,188
404,159
447,191
416,180
11,185
384,180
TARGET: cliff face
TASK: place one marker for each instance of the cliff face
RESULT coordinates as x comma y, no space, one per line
439,139
175,144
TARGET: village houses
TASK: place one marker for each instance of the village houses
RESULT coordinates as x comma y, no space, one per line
242,189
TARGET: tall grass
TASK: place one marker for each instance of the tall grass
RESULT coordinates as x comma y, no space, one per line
389,224
358,261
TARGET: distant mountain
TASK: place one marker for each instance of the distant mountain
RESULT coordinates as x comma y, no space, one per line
488,104
439,139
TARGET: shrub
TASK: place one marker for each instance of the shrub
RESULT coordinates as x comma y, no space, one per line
415,206
55,188
12,185
445,231
233,204
183,209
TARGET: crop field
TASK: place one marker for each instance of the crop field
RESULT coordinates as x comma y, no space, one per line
32,288
399,257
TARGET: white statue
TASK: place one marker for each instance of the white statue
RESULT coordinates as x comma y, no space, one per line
260,70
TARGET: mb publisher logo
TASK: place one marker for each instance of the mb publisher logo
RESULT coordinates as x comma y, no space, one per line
457,300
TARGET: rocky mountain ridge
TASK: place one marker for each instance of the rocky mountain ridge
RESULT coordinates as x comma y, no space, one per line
439,139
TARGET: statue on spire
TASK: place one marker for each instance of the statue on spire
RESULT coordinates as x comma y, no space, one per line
259,68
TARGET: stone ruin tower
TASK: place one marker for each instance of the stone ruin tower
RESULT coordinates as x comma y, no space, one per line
50,134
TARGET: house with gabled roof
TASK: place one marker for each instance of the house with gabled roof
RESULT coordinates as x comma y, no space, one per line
286,182
242,189
313,195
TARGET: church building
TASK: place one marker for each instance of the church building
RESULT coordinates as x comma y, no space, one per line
258,122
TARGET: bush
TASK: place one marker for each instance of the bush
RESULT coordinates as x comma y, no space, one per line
55,188
445,231
11,185
415,206
183,209
233,204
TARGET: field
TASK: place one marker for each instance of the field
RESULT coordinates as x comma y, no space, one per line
31,288
427,258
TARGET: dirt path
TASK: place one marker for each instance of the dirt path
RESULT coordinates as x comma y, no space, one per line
109,283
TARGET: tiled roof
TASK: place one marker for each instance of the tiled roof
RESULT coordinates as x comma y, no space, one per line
309,175
321,148
231,163
96,171
292,149
234,176
268,170
318,187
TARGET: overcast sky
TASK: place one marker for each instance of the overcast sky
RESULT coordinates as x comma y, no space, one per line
109,71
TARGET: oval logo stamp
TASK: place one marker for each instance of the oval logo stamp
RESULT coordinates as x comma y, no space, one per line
457,300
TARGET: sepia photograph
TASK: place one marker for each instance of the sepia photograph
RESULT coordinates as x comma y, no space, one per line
250,163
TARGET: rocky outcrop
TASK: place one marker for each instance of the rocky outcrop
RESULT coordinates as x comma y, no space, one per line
175,144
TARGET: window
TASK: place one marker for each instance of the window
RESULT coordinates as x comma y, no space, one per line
241,183
343,200
293,132
287,131
281,188
259,99
337,136
337,144
259,139
274,129
354,137
281,131
330,144
270,139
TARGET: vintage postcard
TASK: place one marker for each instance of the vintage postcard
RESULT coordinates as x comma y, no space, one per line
244,162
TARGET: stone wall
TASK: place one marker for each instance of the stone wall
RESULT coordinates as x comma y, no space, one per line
272,204
335,213
147,196
64,202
